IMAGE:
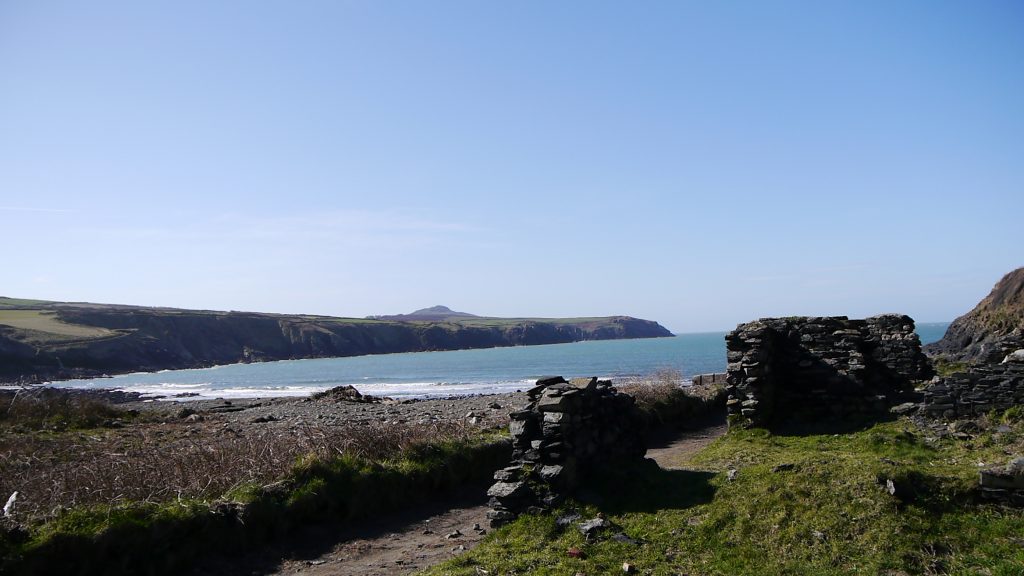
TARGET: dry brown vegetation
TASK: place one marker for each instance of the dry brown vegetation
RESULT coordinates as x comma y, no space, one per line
157,461
46,408
663,396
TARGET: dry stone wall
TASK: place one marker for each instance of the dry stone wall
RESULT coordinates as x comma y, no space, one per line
568,430
803,370
708,379
977,391
1004,484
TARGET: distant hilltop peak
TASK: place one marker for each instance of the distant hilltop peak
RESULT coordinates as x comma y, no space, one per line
439,310
433,313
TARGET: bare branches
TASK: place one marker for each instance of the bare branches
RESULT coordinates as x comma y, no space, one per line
166,461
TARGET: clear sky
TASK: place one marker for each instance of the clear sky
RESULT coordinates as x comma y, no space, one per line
697,163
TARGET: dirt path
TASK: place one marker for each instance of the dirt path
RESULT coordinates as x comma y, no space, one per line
418,537
400,543
673,451
398,546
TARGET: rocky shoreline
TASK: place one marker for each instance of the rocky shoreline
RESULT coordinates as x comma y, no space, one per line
323,409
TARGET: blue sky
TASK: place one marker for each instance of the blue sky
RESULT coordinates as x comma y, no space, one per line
697,163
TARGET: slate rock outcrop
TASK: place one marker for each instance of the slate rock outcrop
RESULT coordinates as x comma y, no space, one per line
801,370
992,329
568,430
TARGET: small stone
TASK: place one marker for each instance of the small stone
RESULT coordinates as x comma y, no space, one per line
783,467
731,474
591,527
1015,356
1016,466
628,568
564,521
905,408
507,489
453,535
621,537
551,473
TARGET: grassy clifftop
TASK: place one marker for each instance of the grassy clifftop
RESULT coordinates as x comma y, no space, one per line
46,340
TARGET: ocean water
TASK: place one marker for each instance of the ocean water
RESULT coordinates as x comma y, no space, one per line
440,374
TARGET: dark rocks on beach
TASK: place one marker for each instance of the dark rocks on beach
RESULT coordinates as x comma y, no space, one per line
346,394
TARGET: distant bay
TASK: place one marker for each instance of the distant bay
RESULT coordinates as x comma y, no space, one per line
440,374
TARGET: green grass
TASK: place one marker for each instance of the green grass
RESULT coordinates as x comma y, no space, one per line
15,302
829,514
945,367
47,321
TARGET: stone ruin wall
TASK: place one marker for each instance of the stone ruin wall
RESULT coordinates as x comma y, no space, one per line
976,392
709,379
568,430
820,369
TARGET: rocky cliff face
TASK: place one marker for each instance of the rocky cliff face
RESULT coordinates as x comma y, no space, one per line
156,339
992,329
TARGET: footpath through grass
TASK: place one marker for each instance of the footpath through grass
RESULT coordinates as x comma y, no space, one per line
815,505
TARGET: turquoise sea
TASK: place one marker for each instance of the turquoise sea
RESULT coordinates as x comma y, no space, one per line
438,374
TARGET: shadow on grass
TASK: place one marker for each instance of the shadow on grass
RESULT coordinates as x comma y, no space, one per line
666,434
313,541
646,487
829,425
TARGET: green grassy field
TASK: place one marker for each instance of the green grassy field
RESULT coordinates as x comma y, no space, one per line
830,513
47,322
17,302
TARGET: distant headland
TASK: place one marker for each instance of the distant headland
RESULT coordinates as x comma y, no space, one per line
45,340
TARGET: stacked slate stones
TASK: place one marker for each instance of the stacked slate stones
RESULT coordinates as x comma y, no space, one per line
1005,483
978,390
802,370
568,430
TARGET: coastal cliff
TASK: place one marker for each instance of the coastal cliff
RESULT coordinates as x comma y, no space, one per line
54,340
992,329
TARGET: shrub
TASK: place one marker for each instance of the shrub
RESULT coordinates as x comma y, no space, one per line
158,463
49,408
664,398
